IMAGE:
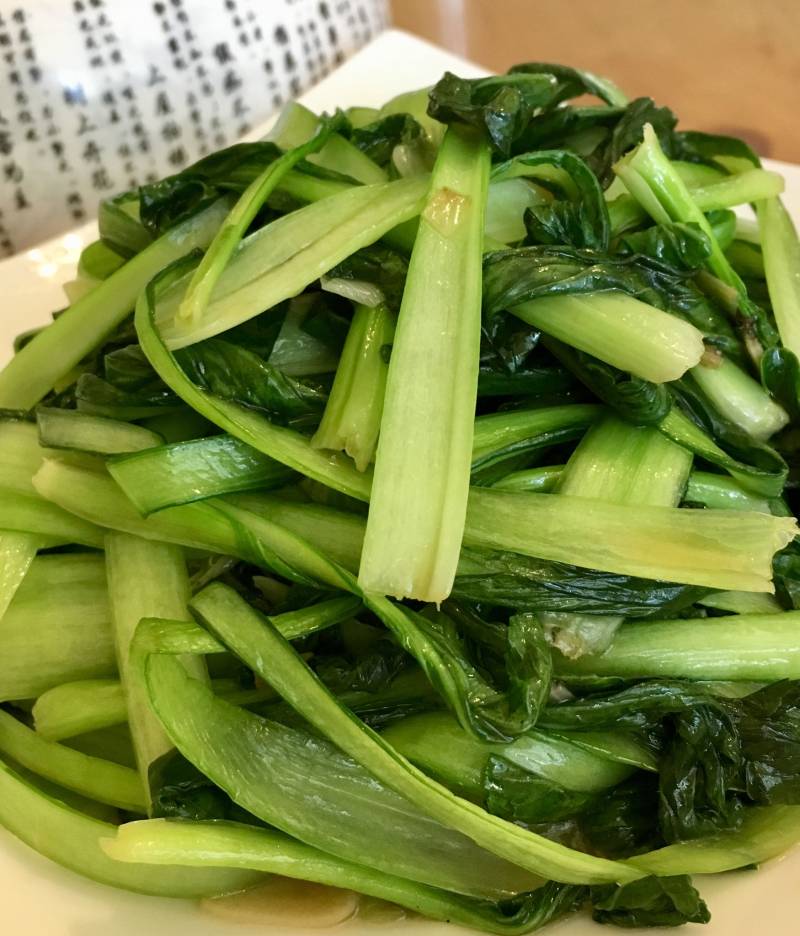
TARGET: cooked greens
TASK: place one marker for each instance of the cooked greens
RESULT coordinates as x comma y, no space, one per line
407,504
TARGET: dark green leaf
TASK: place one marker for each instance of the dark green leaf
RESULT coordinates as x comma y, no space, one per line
326,322
694,146
260,333
699,771
640,706
545,384
493,676
629,130
723,226
520,796
129,370
501,105
680,246
601,135
370,672
757,459
786,573
180,791
165,203
531,911
378,140
637,400
516,275
768,722
651,901
580,218
623,822
573,82
231,372
780,374
100,398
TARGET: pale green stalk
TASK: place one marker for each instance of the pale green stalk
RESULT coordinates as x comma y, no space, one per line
352,418
419,493
620,330
145,579
781,251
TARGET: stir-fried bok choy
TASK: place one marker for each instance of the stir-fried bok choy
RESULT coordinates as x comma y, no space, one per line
406,504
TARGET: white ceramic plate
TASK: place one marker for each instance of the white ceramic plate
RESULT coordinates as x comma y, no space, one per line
41,899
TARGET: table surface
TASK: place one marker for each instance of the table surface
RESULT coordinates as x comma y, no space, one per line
724,66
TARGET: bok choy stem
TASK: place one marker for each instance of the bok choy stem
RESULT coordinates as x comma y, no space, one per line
738,397
718,549
225,844
739,647
17,551
145,579
241,216
279,260
255,641
352,418
98,779
53,352
73,839
622,464
419,493
620,330
73,708
781,251
625,464
652,180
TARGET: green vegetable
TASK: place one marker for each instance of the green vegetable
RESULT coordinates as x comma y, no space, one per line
237,846
761,647
508,434
74,708
352,418
57,627
739,398
17,552
582,222
32,373
278,442
755,467
693,547
74,840
145,579
298,126
250,635
406,503
98,779
542,480
621,464
189,471
620,330
781,264
713,490
241,216
68,429
120,228
278,261
422,462
513,580
307,788
626,465
505,105
436,743
662,901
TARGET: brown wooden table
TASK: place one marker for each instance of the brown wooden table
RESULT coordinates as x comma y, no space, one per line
725,66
